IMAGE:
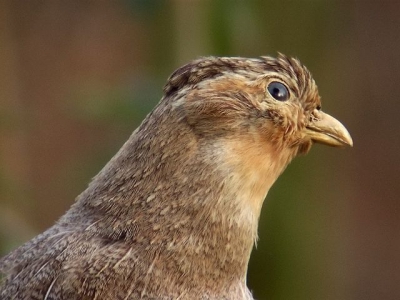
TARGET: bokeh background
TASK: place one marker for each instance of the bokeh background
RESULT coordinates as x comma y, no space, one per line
77,77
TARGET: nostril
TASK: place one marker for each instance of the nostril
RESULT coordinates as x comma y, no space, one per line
313,117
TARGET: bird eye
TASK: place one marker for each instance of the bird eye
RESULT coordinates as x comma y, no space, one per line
278,90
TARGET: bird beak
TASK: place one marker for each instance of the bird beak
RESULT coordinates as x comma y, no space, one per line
327,130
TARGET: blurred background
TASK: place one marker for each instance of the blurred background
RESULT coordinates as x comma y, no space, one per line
77,77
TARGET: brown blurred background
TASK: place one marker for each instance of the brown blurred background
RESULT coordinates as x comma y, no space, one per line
77,77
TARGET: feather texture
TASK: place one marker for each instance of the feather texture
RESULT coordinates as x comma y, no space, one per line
174,214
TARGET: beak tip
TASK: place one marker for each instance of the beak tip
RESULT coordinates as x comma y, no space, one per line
351,143
347,138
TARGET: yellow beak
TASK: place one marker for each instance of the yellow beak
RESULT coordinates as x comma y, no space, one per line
327,130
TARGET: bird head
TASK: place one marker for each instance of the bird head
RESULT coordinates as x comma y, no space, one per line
255,115
272,99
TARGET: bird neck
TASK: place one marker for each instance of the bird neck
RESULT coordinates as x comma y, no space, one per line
190,204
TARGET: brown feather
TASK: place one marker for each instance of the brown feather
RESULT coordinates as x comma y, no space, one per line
174,214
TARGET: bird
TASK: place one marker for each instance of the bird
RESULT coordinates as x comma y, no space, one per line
174,214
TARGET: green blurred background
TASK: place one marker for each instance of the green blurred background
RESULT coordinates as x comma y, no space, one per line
77,77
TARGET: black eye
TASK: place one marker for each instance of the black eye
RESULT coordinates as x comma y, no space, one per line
278,90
